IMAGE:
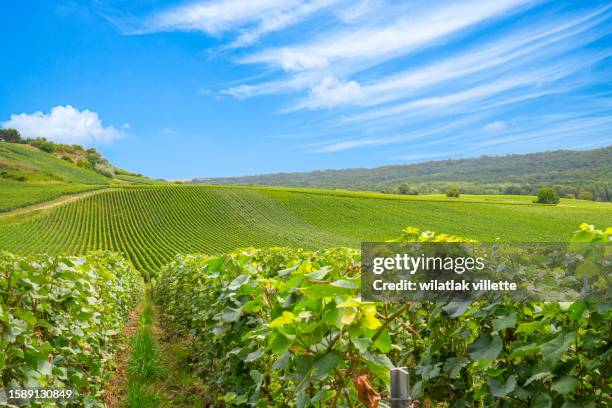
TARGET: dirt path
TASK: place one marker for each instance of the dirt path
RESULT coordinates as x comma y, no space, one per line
163,377
182,387
117,386
65,199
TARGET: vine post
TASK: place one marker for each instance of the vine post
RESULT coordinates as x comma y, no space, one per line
400,388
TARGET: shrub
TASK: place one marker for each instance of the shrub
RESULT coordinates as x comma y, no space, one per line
406,189
60,319
43,144
453,192
585,195
10,135
287,327
547,195
83,163
105,168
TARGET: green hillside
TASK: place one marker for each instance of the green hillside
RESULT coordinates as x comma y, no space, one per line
29,175
151,224
571,172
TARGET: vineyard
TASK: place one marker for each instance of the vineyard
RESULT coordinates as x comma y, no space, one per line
286,327
151,224
29,176
60,322
23,194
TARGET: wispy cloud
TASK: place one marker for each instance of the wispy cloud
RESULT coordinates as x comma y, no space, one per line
248,20
373,73
388,40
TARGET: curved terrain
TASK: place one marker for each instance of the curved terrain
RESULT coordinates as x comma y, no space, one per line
150,224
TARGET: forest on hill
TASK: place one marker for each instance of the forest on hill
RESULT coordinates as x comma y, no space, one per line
574,174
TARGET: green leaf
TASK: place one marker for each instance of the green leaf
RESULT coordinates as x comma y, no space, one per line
554,349
529,327
280,342
576,310
504,322
456,309
485,346
379,363
564,385
320,274
254,355
362,344
501,390
230,315
344,284
283,362
524,351
323,365
238,282
284,319
324,290
541,376
383,342
430,371
454,365
542,401
331,315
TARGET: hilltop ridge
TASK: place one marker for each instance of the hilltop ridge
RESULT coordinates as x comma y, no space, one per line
570,172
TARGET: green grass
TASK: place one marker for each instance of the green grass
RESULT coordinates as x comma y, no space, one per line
16,194
30,176
142,396
144,365
150,224
38,166
139,179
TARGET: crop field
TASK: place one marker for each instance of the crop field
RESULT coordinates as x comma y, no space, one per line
22,194
295,321
151,224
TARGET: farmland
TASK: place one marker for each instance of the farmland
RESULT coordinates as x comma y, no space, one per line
151,224
29,175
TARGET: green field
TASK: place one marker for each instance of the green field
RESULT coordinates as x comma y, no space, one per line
151,224
30,176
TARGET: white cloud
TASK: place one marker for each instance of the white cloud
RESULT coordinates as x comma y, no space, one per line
497,126
385,41
277,20
516,50
65,124
333,92
212,17
168,131
249,19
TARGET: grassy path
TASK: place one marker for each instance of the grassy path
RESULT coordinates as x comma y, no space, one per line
45,205
153,371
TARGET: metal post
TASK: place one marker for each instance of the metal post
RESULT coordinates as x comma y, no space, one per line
400,388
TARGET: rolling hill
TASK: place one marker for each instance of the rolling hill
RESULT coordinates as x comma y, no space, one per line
571,171
151,224
29,175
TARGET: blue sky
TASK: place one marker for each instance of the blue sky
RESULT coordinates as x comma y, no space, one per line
234,87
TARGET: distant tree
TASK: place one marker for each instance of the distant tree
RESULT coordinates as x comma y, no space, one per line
513,190
403,188
547,195
453,192
585,195
10,135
